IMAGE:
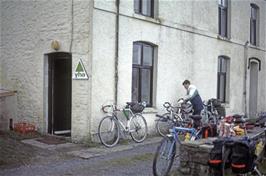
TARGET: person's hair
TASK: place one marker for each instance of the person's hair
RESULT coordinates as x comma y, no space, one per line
186,82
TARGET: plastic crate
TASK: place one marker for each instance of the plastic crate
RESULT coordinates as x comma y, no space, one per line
24,127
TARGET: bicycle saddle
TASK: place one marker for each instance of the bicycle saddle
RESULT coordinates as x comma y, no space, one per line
195,117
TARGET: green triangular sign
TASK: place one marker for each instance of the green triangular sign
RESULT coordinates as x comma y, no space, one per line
80,72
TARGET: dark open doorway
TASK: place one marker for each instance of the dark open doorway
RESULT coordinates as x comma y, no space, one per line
59,93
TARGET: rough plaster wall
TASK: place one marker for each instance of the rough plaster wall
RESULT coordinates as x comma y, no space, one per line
103,64
187,49
28,27
1,64
81,89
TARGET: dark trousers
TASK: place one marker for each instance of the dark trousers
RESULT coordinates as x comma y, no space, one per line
197,104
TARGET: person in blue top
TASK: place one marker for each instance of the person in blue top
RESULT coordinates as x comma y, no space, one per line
194,97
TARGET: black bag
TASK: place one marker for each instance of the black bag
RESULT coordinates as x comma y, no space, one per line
136,107
215,102
243,156
216,155
215,160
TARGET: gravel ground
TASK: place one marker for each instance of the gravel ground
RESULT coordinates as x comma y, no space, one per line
136,161
14,153
19,159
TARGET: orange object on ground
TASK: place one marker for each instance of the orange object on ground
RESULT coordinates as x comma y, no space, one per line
24,127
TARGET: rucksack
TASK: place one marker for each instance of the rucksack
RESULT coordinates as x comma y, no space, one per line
243,156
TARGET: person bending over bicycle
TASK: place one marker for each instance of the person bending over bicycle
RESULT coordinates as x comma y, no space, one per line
193,96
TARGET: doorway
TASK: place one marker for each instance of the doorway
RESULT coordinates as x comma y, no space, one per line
59,93
253,89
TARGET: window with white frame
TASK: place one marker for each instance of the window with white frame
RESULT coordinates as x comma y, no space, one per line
223,18
142,72
144,7
254,24
223,79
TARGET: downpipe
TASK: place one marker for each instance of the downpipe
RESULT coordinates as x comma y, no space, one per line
245,77
117,2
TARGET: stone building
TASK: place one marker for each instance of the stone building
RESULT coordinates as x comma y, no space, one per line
67,58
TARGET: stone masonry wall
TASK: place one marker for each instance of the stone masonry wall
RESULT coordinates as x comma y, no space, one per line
27,30
194,157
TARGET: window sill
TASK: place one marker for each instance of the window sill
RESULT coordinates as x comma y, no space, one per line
146,18
253,46
150,110
223,38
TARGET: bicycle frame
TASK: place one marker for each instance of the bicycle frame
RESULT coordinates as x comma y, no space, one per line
174,133
124,127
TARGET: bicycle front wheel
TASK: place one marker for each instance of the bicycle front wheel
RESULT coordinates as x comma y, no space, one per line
138,128
164,124
164,157
108,131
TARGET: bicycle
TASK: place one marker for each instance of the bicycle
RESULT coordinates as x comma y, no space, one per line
168,149
111,127
209,113
175,116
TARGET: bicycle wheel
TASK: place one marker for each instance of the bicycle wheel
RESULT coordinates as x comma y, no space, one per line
108,131
138,128
164,157
164,124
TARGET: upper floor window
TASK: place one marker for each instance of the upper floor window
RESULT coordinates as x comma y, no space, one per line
254,24
144,7
223,79
223,18
142,72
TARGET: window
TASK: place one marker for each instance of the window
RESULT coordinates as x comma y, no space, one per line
144,7
223,79
142,72
223,18
254,30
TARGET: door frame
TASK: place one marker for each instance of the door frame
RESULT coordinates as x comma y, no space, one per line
46,93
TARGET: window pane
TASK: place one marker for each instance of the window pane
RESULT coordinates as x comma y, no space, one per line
220,20
135,84
137,54
147,55
137,6
221,86
146,7
253,13
223,3
253,32
146,85
222,64
223,22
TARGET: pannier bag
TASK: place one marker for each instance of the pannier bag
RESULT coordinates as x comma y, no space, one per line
215,160
136,107
243,156
216,155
